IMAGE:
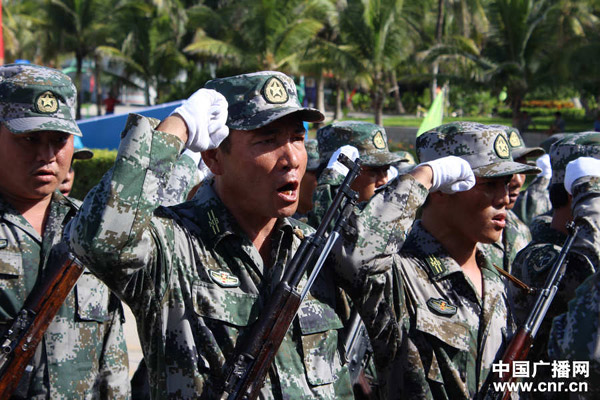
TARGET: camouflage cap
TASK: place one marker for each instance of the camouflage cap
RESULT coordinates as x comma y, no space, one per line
369,139
80,152
257,99
312,150
517,145
405,157
35,98
485,147
571,147
547,143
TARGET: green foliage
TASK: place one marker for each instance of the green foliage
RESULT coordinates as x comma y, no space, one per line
89,172
361,101
472,102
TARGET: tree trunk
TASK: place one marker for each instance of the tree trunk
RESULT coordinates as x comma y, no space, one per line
78,84
347,98
320,95
98,86
338,101
147,91
438,38
378,103
396,91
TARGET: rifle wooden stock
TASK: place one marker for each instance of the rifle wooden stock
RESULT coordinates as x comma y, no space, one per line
26,332
521,343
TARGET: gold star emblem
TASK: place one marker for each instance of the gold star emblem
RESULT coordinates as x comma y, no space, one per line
274,91
514,140
47,103
501,147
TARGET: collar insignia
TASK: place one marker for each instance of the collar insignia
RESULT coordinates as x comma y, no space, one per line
274,91
441,306
435,265
46,103
378,140
501,147
213,221
224,279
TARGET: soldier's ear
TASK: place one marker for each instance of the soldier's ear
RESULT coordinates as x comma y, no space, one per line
213,160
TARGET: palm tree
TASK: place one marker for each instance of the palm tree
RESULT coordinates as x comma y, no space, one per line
150,45
373,36
24,30
78,26
514,54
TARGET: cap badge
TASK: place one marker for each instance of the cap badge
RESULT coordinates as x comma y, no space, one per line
224,279
514,139
274,91
501,147
441,306
46,103
378,140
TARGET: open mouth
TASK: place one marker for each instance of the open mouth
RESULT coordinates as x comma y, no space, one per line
288,189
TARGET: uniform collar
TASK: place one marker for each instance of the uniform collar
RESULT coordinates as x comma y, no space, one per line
439,263
213,219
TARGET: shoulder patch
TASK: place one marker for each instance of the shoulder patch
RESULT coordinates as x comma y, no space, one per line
435,266
542,258
224,279
441,306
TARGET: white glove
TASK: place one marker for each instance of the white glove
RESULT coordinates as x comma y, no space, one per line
543,163
451,174
349,151
583,166
204,171
205,114
392,173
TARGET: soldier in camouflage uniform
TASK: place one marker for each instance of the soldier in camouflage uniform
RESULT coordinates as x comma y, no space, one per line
436,310
515,234
309,180
83,353
532,264
371,142
196,275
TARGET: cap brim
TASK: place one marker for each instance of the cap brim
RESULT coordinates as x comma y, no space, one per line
505,168
83,154
37,124
381,159
265,117
528,152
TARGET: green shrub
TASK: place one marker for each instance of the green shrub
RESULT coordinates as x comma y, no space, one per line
89,172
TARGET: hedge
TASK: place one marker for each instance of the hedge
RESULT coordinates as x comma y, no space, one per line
89,172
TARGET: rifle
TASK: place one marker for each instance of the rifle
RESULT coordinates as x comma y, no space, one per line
28,328
357,350
246,375
519,346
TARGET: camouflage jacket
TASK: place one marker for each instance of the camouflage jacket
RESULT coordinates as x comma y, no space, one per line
196,283
182,179
515,237
534,200
574,335
83,353
534,262
433,336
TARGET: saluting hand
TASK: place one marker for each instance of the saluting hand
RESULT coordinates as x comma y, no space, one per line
451,174
205,114
583,166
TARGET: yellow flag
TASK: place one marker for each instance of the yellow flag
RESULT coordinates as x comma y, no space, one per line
434,115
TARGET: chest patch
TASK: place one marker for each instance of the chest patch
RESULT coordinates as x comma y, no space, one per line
441,306
224,279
